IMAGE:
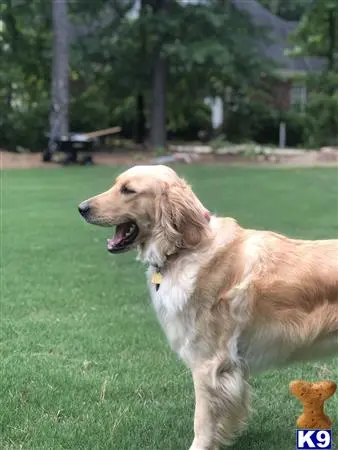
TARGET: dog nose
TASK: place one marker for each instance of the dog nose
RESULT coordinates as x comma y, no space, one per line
84,208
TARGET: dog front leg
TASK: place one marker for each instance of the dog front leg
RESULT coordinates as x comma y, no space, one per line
222,397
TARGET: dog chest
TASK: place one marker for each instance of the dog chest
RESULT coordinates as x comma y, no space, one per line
171,304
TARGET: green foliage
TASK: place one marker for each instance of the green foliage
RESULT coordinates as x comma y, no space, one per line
296,128
287,9
259,121
252,120
323,119
322,110
27,127
25,72
112,58
317,34
111,63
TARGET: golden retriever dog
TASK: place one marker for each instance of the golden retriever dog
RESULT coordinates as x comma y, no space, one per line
231,301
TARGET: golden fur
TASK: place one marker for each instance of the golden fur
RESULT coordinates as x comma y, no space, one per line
232,301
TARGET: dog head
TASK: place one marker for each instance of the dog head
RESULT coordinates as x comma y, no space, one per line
152,209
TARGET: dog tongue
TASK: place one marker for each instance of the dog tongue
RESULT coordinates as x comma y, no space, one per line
112,242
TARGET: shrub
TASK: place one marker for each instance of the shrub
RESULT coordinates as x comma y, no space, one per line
259,122
322,110
25,128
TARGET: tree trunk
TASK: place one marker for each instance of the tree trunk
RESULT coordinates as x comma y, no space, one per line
14,40
140,127
332,21
60,72
140,119
332,39
158,107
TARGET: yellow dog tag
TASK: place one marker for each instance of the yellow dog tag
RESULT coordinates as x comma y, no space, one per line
156,278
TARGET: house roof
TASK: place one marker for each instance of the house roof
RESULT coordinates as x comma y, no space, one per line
276,43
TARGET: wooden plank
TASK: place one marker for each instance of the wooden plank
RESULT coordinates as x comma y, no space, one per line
104,132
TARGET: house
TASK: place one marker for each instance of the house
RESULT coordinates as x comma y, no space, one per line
288,86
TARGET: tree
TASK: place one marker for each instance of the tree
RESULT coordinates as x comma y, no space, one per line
114,57
160,62
317,34
25,74
140,126
287,9
218,48
59,125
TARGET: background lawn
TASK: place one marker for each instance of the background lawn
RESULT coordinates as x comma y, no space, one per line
84,363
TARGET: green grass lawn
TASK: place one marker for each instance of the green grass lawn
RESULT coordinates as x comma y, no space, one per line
84,363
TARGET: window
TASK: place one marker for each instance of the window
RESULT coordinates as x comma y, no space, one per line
298,96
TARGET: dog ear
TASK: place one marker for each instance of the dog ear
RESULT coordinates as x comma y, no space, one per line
182,216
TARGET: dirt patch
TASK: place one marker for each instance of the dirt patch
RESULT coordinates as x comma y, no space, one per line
10,160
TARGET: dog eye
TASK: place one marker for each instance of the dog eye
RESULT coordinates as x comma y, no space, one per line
125,190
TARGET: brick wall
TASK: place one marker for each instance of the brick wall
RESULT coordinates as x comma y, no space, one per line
282,95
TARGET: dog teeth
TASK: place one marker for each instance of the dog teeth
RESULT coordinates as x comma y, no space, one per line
131,229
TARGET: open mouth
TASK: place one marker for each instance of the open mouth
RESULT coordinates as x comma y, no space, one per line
125,235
